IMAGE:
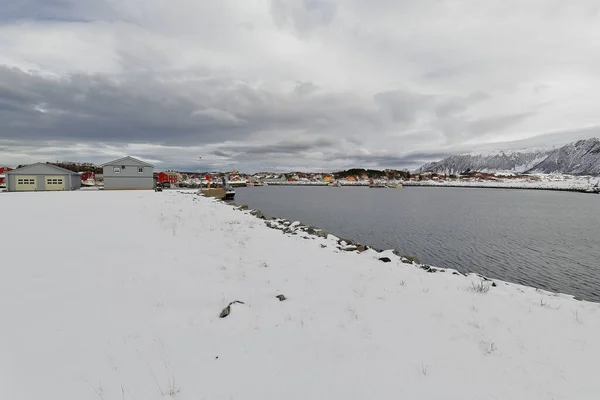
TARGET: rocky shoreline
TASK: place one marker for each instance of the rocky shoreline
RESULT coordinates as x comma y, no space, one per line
296,228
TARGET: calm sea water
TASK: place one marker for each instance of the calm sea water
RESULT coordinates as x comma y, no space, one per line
545,239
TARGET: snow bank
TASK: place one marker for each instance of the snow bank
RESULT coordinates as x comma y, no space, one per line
117,295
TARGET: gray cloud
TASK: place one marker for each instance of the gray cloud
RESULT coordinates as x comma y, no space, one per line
292,83
61,10
285,147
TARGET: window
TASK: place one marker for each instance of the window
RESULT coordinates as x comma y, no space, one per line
140,170
117,170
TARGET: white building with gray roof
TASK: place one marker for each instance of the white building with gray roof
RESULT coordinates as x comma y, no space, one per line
42,177
128,173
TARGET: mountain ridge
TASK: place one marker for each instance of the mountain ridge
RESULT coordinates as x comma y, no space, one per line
581,157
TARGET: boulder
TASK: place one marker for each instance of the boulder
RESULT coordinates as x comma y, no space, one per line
385,259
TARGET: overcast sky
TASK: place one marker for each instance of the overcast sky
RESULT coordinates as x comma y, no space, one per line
293,84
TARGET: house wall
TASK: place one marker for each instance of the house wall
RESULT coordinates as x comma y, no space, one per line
130,171
125,182
129,177
72,182
75,182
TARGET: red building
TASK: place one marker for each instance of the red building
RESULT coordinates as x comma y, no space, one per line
88,176
171,177
3,170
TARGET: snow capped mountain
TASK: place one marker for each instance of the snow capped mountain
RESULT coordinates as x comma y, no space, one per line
577,158
502,161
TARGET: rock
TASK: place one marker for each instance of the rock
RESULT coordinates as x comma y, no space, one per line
494,284
413,259
578,298
361,248
227,310
385,259
243,207
406,261
311,231
348,248
323,246
347,242
455,273
281,297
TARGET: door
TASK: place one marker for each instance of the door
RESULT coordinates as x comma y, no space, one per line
55,182
25,183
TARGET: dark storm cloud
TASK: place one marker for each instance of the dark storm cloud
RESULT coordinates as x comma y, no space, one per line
285,147
220,153
144,109
391,161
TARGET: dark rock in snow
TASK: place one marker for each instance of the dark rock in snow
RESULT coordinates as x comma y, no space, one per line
281,297
385,259
494,284
227,310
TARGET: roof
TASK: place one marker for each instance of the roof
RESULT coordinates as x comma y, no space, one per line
128,158
50,166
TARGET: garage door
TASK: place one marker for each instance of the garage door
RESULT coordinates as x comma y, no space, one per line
54,182
25,183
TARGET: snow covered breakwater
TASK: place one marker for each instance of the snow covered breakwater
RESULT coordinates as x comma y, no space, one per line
132,311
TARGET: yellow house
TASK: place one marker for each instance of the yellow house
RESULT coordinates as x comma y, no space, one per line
328,178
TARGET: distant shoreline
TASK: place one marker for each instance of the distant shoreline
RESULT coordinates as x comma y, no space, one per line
558,189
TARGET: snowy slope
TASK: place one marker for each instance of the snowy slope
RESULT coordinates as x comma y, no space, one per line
509,161
577,158
117,295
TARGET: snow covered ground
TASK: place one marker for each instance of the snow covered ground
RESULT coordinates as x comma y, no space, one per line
117,295
538,181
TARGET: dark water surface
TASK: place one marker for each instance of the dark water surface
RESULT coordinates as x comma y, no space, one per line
544,239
